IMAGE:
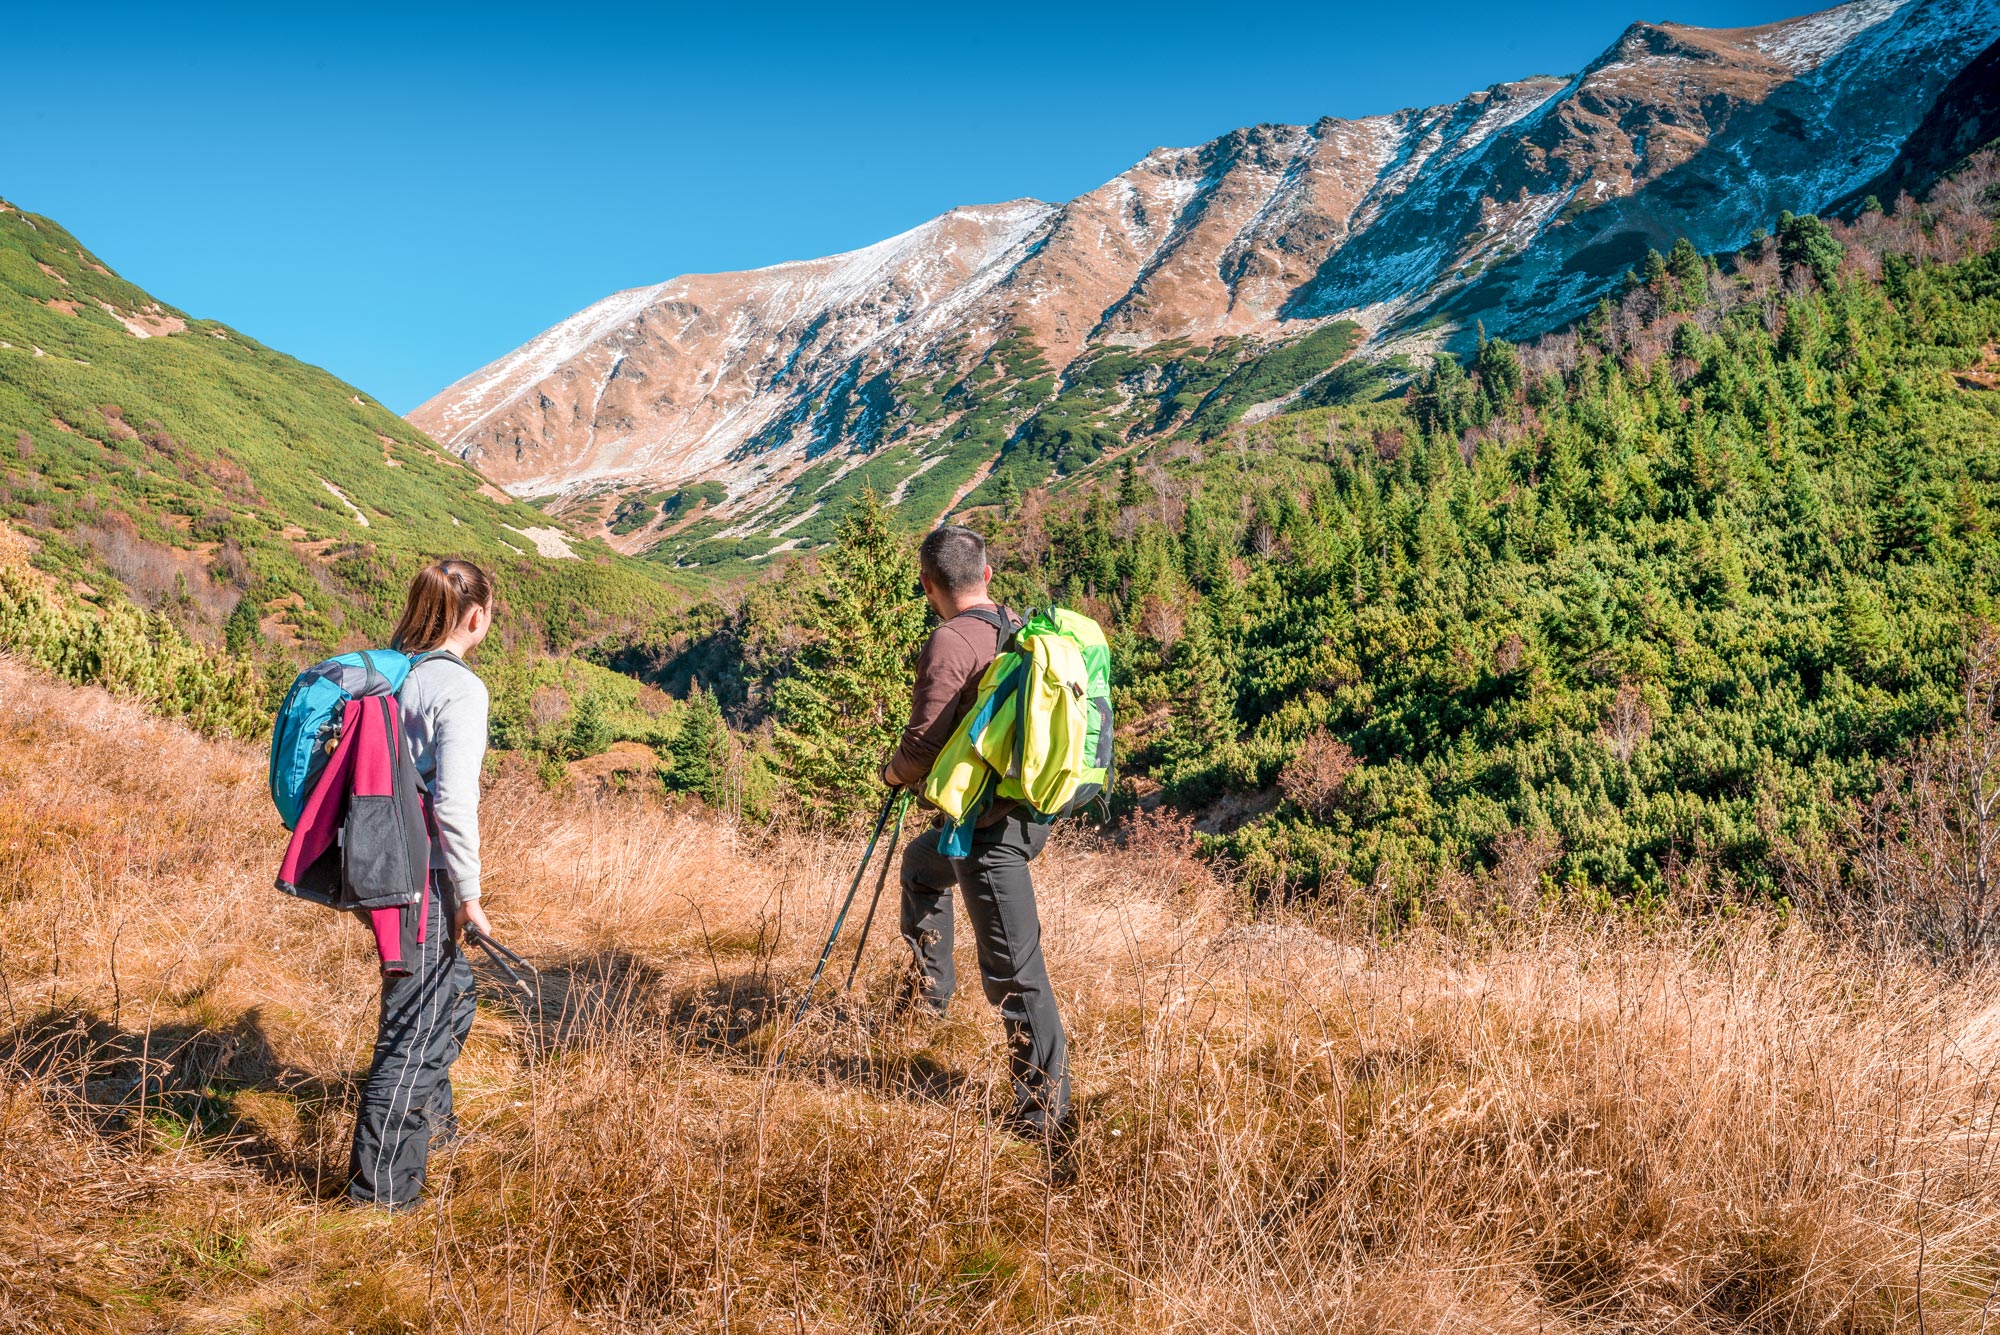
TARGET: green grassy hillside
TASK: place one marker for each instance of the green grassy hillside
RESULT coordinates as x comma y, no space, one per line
245,494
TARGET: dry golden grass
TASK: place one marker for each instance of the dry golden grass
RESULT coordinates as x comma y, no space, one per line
1286,1127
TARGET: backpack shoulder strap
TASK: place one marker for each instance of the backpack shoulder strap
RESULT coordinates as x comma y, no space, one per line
999,618
417,660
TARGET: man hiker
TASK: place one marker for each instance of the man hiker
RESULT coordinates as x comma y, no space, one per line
993,879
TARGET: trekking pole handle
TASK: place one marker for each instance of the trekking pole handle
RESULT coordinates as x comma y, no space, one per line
485,942
502,958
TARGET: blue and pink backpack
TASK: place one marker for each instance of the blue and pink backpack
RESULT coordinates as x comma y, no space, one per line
345,784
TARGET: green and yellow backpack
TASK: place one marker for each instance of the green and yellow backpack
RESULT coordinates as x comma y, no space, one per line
1039,734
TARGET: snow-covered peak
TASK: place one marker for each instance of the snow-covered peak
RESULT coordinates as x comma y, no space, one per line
1516,205
1805,43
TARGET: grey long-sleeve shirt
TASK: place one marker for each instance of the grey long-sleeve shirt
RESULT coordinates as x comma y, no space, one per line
444,714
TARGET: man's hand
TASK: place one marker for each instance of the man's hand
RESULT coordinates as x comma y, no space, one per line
888,776
470,913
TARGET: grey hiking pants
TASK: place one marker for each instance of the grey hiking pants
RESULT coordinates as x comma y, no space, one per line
406,1100
1000,900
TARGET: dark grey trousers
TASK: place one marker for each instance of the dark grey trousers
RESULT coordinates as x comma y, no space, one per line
407,1098
1000,900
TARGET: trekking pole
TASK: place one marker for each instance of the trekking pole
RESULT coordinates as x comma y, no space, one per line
503,959
839,918
881,879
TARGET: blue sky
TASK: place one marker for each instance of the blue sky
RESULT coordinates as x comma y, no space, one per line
401,194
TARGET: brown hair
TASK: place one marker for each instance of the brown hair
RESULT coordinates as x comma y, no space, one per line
440,596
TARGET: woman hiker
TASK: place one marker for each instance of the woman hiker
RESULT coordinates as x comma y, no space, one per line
406,1108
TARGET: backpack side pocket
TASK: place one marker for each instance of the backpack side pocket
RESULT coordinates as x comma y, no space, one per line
375,866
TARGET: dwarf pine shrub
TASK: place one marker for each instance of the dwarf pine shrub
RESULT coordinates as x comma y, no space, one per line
131,652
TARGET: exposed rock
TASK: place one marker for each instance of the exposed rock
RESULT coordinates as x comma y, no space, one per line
551,543
149,321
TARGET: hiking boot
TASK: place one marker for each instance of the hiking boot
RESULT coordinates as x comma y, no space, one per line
448,1137
362,1203
1029,1123
913,1003
447,1143
1056,1138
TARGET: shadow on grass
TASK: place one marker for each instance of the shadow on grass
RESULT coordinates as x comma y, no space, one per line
615,1003
222,1089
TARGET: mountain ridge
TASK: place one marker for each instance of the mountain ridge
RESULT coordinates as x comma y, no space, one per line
250,496
924,362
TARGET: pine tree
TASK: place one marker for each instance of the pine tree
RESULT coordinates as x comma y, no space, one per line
699,751
241,634
841,709
1804,240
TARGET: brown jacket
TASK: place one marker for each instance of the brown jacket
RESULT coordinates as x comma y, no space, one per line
948,671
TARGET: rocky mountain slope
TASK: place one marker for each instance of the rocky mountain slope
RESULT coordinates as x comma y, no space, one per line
979,352
179,462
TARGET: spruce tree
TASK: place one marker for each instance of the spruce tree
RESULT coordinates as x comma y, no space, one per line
843,706
1656,273
1008,495
590,731
1442,403
699,751
1861,636
1968,516
1690,275
1804,240
1498,367
1198,751
1129,492
241,634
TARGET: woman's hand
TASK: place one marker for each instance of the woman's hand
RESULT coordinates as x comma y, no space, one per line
470,913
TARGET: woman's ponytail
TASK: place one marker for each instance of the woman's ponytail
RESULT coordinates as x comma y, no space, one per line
440,596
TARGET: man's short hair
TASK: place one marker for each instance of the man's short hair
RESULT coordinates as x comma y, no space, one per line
954,557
